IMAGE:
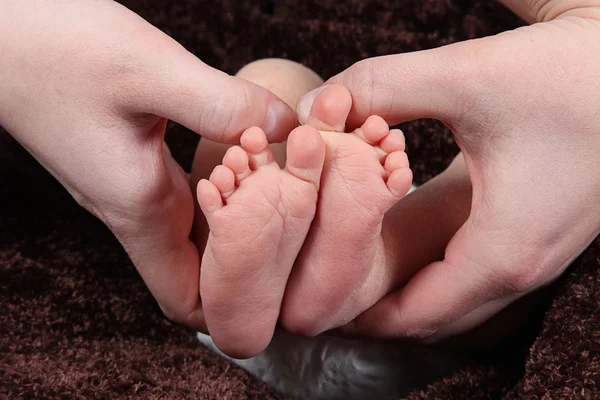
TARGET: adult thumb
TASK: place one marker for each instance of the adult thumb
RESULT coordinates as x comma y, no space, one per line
403,87
179,86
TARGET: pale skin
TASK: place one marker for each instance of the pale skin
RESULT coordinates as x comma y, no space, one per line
361,174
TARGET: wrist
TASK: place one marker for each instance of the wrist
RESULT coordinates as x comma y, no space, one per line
547,10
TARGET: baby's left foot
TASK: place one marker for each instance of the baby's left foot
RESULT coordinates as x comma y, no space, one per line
365,173
258,216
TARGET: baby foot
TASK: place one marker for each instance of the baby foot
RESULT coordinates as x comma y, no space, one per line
365,173
258,216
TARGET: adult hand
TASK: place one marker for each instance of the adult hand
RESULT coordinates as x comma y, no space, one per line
524,108
87,88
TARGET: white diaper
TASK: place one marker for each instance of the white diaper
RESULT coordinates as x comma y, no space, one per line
328,368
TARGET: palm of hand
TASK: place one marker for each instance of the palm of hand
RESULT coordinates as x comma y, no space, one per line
523,108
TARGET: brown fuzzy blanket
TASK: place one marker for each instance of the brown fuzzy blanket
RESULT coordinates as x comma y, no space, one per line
76,321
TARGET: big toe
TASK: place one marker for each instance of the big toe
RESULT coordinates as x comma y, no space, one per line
305,154
329,109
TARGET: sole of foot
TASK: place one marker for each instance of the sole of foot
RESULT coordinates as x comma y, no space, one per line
258,215
365,173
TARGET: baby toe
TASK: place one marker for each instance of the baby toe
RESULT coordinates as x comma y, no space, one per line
237,160
223,179
393,141
373,130
396,160
330,109
209,197
305,154
255,143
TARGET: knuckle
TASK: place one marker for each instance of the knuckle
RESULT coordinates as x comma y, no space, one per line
232,105
142,194
366,81
373,88
138,204
523,274
187,315
128,197
301,321
129,222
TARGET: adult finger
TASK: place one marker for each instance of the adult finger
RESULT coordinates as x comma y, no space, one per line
155,231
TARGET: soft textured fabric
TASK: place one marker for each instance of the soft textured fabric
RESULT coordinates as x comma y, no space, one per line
76,321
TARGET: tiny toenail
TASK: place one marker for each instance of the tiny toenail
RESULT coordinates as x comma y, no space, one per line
277,109
306,102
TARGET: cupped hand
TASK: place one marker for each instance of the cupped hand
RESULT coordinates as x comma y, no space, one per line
87,88
524,109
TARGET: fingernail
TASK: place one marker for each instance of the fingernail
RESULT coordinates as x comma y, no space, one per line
275,113
305,104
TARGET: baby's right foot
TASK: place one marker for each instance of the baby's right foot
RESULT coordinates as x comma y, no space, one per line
365,173
258,215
